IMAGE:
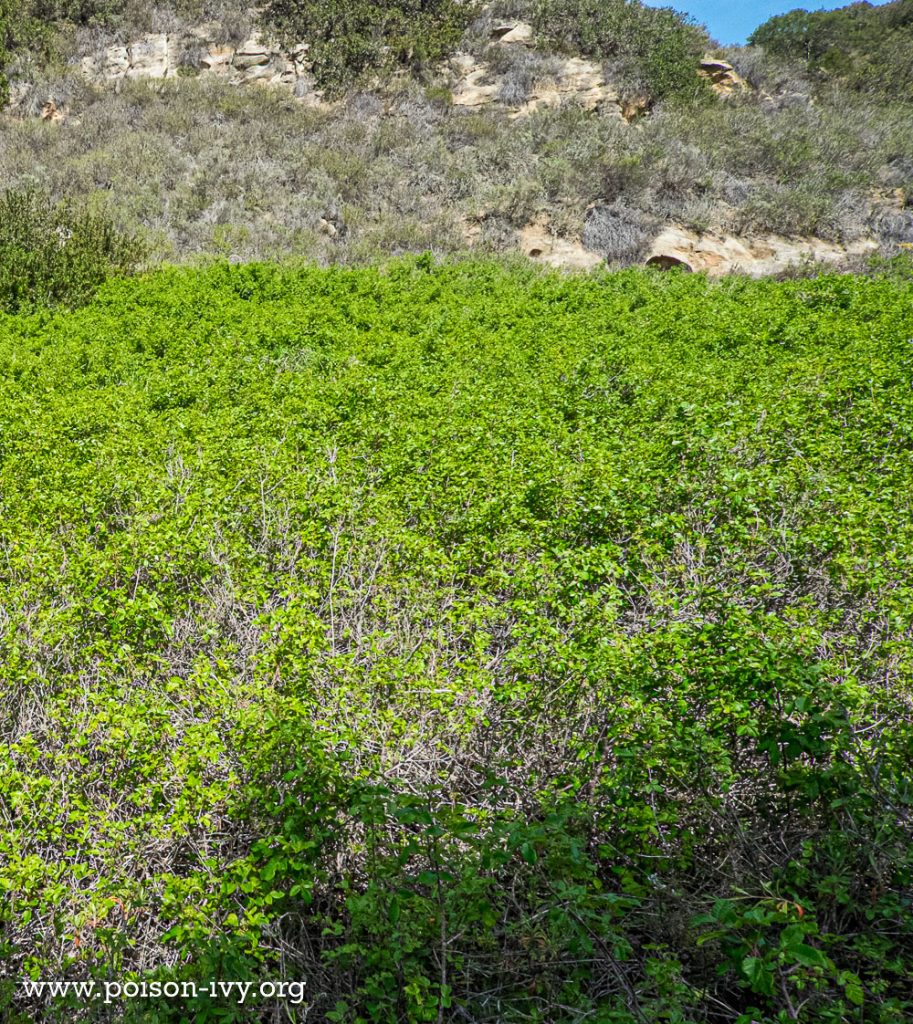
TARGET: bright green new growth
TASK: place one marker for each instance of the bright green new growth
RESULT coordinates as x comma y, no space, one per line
432,632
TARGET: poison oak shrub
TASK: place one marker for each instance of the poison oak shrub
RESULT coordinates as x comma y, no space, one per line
431,631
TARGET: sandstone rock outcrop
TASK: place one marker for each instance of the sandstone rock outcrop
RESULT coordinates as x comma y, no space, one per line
473,81
50,111
160,55
679,248
574,80
514,33
719,254
724,80
147,57
537,241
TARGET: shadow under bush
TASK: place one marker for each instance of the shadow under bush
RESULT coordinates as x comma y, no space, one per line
733,834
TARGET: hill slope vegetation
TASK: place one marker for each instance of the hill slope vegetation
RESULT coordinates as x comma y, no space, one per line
392,165
865,46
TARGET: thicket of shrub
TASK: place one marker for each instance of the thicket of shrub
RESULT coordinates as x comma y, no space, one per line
57,254
651,51
867,47
468,644
18,33
354,39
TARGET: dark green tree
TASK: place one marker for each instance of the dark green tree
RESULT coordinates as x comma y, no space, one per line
55,254
867,48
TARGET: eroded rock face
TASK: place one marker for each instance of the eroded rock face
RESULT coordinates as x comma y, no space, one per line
159,55
724,80
474,86
719,254
148,57
514,34
537,241
573,81
250,54
474,83
680,249
50,111
217,59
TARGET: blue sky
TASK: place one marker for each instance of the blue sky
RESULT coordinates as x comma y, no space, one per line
732,21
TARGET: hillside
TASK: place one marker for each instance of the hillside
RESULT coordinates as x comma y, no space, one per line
527,132
467,643
456,514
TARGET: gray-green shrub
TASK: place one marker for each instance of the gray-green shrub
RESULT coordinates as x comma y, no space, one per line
618,233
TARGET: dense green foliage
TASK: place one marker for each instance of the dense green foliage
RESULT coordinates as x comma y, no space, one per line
55,254
353,39
96,13
78,12
27,27
474,644
868,47
653,50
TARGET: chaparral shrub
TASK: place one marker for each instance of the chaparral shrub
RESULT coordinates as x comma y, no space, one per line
864,45
353,39
652,50
56,254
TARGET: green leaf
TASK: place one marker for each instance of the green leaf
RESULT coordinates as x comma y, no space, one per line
759,975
